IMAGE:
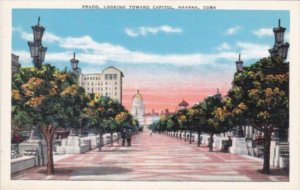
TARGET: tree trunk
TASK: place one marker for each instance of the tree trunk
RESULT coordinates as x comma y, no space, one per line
48,132
210,144
185,136
199,141
111,139
100,139
118,138
267,143
190,137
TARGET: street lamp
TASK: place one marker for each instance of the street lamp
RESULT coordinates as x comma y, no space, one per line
283,50
37,51
280,48
74,65
38,31
279,33
239,64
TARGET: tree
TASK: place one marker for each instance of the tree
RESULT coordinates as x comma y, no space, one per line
261,95
50,98
210,104
198,119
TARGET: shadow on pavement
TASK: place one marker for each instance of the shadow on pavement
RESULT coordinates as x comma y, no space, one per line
277,172
93,170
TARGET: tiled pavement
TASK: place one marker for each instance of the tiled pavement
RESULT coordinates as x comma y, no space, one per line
154,158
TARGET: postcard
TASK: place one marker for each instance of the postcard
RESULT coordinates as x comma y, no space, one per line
150,94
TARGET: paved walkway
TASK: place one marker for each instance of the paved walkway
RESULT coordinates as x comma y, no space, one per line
158,157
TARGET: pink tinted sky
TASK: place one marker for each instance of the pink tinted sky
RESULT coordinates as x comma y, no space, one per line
169,98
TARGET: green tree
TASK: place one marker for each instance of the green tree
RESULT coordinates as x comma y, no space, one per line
261,95
210,104
47,98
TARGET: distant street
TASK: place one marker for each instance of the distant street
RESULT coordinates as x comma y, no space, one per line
156,157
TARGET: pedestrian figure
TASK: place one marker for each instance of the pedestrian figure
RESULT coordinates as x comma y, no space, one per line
228,144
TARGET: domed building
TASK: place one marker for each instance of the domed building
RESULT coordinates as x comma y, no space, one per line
137,108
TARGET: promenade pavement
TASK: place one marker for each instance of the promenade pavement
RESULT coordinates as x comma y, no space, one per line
154,158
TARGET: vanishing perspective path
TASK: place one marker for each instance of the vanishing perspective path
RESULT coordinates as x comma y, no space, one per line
156,157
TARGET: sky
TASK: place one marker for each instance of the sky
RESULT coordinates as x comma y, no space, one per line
169,55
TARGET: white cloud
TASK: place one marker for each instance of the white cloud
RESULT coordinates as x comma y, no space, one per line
92,52
25,59
47,37
233,30
143,31
253,51
24,35
224,46
264,32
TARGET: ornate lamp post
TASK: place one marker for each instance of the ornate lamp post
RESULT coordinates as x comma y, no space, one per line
37,51
74,64
239,64
239,68
280,48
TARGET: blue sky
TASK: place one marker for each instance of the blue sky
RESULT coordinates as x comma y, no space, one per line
154,48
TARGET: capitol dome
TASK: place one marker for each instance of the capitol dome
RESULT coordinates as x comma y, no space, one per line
138,96
137,107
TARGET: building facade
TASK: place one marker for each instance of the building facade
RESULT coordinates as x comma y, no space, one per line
137,108
150,118
15,65
107,83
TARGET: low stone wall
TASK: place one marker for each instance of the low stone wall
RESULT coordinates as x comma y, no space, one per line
23,163
79,145
218,142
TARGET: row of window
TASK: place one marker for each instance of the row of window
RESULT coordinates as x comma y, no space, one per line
107,77
102,88
100,84
106,93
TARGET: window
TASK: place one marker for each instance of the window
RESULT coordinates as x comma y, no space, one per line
110,76
105,83
116,83
105,88
101,89
115,76
92,84
106,94
115,88
115,94
88,83
106,76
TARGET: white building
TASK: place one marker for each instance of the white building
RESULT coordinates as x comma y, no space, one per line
151,118
107,83
137,108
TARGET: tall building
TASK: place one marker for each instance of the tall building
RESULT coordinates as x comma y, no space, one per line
137,108
15,65
107,83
